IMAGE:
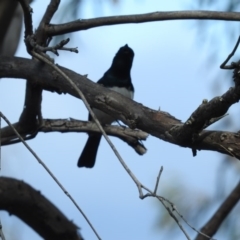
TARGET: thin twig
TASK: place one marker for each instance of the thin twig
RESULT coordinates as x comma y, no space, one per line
50,173
172,209
53,49
158,179
163,200
175,218
193,228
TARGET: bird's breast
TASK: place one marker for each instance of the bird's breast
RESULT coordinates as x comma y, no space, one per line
124,91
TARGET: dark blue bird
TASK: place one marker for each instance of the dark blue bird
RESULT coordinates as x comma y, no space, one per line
116,78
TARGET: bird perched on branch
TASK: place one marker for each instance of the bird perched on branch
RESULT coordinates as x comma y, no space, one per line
116,78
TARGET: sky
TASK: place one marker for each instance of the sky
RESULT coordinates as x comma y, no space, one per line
168,72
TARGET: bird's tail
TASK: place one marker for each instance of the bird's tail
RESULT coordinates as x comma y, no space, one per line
89,153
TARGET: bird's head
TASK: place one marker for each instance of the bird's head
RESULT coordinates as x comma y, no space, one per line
123,59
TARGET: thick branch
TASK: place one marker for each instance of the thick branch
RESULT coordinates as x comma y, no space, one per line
21,200
220,215
157,123
84,24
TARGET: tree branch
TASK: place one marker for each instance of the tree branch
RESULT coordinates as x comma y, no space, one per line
84,24
131,137
220,215
159,124
21,200
27,11
50,11
202,116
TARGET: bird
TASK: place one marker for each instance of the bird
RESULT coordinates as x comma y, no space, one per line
116,78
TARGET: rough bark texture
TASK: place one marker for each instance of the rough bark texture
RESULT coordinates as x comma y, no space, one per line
157,123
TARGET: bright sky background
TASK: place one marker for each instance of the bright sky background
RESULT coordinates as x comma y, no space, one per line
168,72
